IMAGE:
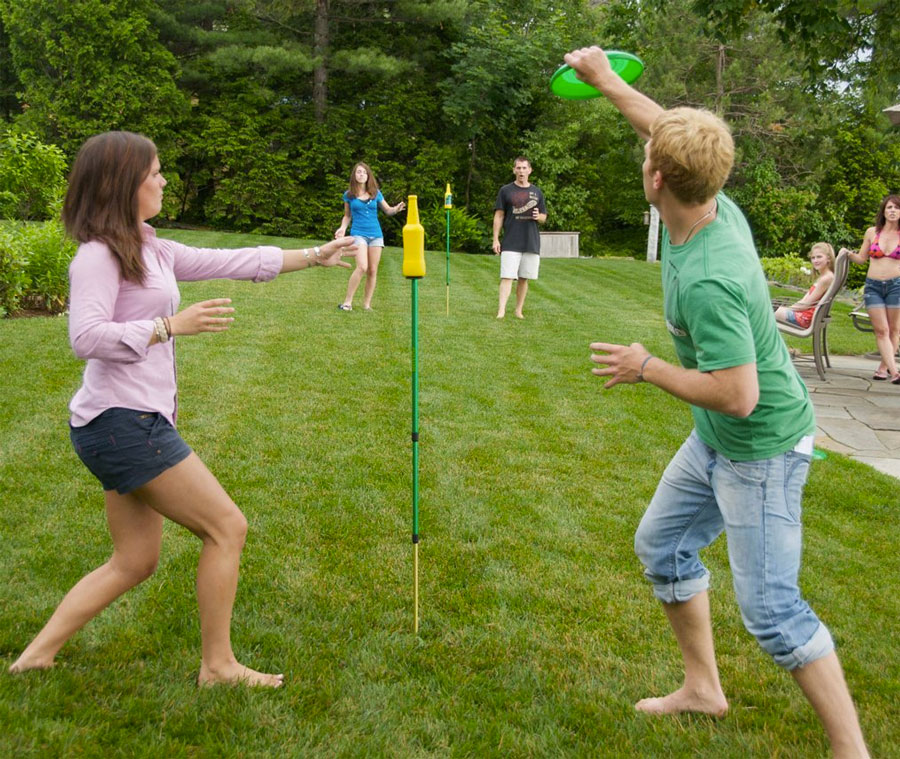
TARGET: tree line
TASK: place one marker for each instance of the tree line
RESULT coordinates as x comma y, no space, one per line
260,108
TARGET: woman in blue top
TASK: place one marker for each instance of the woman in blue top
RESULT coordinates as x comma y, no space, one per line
361,203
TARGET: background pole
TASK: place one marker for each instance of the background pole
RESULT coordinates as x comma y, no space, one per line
448,204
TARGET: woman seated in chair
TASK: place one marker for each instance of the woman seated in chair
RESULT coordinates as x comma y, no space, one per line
801,313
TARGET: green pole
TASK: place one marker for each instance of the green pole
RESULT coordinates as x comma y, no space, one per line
414,269
448,204
415,448
448,262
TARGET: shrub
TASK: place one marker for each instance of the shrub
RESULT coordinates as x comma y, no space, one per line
788,270
13,280
34,266
467,234
32,177
48,254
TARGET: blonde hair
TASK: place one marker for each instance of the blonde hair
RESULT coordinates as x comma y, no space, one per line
826,248
694,152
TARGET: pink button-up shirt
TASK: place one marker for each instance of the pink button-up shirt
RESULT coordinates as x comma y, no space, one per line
111,319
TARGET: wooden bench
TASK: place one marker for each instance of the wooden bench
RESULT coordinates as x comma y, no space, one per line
818,328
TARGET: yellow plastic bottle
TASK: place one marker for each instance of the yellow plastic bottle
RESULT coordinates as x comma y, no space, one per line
413,241
448,197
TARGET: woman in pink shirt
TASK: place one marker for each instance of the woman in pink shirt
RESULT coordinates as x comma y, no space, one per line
123,317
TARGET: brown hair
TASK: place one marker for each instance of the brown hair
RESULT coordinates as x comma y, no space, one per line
371,184
693,150
522,159
102,198
880,218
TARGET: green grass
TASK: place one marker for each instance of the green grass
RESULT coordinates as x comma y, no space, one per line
537,630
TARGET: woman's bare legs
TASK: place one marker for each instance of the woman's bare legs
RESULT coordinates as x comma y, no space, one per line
893,317
374,260
362,266
190,495
136,532
885,324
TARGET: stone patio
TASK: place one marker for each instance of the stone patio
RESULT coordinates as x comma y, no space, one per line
855,415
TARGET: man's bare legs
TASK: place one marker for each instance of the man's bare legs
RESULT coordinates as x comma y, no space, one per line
505,290
701,691
521,292
136,532
822,681
823,684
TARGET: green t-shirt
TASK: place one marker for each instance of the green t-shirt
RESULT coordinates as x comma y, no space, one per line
718,310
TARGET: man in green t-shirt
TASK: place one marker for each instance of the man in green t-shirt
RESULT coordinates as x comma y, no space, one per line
743,468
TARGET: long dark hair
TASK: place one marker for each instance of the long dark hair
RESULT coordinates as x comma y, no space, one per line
371,186
880,218
102,198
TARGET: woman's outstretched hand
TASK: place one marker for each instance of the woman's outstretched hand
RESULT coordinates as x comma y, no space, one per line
330,253
205,316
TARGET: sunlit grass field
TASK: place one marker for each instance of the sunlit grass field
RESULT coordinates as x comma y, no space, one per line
537,631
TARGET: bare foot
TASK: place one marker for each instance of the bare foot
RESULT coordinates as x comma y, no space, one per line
683,700
519,316
238,674
24,664
500,316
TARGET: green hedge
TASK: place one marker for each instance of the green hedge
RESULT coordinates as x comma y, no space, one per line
34,266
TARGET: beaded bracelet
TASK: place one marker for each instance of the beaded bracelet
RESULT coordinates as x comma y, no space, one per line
311,261
162,334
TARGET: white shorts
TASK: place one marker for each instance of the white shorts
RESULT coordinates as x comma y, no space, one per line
515,265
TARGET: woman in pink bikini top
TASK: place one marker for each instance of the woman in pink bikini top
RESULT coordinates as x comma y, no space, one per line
882,291
875,250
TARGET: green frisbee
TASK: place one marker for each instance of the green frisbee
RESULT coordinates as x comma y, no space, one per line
566,84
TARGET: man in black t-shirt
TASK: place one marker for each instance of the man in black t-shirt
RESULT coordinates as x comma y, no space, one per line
518,210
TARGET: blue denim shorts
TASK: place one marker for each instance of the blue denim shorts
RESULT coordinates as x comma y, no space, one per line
369,242
757,505
125,449
882,293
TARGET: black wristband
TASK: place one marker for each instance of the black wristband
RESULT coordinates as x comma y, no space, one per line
643,366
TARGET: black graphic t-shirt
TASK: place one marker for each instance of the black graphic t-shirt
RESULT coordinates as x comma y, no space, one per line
520,230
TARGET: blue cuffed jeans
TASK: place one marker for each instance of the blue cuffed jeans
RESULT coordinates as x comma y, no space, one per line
757,504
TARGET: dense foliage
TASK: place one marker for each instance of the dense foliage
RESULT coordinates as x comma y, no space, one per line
261,107
34,266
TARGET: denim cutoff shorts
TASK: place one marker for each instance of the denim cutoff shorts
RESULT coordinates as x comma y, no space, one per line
125,449
757,504
369,242
882,293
